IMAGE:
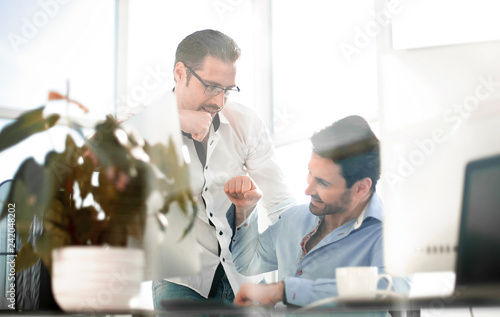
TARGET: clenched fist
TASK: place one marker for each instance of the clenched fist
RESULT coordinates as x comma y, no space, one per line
244,194
196,123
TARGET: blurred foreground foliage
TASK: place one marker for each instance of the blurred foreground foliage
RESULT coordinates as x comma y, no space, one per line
127,169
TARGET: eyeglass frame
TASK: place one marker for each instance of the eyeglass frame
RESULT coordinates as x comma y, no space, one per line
227,91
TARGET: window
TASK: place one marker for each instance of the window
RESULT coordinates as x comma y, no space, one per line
54,45
323,69
154,28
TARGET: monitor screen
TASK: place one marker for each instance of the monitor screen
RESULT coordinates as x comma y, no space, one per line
478,256
422,187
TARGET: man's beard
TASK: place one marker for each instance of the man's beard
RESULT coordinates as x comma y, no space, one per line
340,207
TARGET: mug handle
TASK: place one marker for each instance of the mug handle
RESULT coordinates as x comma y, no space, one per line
389,283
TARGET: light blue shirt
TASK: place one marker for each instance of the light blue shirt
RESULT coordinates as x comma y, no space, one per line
310,277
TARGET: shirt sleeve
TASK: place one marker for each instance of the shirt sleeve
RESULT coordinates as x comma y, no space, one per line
301,292
266,172
254,253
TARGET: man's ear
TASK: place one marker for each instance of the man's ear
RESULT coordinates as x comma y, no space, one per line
180,71
363,186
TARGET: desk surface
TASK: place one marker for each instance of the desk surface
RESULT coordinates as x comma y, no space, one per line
217,308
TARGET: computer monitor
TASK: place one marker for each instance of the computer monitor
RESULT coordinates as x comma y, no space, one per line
168,254
478,256
423,169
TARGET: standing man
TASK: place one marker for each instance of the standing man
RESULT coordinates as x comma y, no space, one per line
225,140
342,225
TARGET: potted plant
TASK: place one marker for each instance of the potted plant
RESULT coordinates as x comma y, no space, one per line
115,169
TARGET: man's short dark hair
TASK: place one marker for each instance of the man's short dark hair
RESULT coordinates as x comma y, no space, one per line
350,143
193,49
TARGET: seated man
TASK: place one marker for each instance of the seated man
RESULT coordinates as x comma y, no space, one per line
342,225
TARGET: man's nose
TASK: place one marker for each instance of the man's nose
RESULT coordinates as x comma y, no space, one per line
310,189
219,100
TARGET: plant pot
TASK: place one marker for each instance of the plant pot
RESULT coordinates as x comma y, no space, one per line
97,278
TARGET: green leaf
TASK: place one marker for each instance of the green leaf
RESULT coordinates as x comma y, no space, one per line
26,257
84,177
56,224
48,241
193,217
175,187
32,192
108,149
87,226
25,126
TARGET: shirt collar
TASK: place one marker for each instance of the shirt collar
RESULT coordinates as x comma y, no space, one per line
222,117
216,122
373,209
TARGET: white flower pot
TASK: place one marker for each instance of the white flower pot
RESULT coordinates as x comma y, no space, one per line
96,278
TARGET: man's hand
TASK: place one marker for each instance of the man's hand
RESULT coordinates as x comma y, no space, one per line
244,194
260,294
196,123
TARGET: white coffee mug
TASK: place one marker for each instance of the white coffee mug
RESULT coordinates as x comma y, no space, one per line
360,282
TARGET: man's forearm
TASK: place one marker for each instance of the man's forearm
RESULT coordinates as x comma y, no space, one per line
241,215
260,294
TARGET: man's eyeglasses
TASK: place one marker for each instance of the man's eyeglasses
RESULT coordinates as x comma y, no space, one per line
211,90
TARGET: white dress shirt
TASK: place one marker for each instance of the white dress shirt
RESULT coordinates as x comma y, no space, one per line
240,145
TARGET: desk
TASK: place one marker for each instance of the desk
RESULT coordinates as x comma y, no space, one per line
408,307
438,307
